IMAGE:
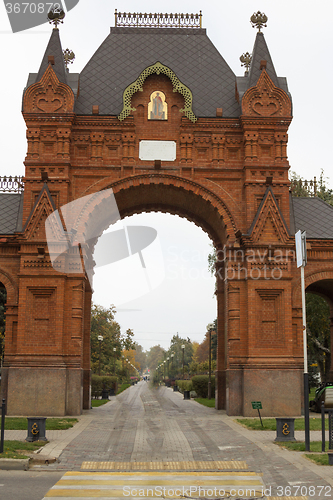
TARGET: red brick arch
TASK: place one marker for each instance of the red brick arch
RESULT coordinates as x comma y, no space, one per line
207,202
11,287
309,280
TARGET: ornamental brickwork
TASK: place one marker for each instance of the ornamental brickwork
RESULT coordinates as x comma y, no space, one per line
230,177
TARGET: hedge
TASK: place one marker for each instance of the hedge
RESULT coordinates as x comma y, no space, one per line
184,385
98,383
200,385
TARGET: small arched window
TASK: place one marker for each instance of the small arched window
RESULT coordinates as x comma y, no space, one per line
157,107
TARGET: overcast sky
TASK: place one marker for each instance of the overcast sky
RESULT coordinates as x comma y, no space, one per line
299,36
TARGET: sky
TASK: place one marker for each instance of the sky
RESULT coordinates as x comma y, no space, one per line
299,36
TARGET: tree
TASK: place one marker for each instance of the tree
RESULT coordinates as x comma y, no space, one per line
317,309
155,356
130,356
176,349
3,298
140,357
300,189
127,341
103,323
318,333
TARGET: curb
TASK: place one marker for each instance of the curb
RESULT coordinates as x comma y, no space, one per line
41,460
14,463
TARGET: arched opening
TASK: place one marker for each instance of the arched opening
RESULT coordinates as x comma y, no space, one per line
319,305
181,301
161,196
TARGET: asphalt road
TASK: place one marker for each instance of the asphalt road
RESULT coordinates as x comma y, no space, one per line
26,485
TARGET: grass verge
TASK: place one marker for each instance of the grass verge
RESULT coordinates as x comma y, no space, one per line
17,449
123,387
51,424
269,424
98,402
206,402
315,447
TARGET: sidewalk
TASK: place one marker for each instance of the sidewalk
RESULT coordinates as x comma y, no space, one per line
143,425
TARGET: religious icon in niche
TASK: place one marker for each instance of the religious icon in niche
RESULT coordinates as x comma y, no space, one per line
157,107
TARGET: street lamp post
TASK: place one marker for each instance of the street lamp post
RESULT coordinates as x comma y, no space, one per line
114,361
168,367
100,340
183,347
172,356
210,366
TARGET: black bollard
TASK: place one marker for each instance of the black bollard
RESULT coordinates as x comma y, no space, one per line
3,411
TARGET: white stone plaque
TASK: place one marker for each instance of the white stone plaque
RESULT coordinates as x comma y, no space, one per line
157,150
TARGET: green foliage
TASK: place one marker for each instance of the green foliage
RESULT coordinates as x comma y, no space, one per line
269,424
98,383
103,323
184,385
319,459
315,446
128,342
98,402
200,385
155,356
176,363
140,357
212,260
51,424
299,189
318,333
17,449
123,387
300,445
206,402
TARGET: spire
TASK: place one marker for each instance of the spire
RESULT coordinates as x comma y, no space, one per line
53,54
261,53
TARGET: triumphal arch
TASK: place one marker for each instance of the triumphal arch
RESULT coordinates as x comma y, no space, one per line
158,119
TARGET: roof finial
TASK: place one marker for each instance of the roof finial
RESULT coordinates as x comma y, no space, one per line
55,16
258,20
246,59
69,57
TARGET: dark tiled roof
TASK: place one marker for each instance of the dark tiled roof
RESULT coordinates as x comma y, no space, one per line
189,53
314,216
10,213
260,53
54,49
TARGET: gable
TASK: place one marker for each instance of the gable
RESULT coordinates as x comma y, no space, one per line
269,226
34,228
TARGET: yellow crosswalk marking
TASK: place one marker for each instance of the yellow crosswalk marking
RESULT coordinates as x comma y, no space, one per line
156,485
192,465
